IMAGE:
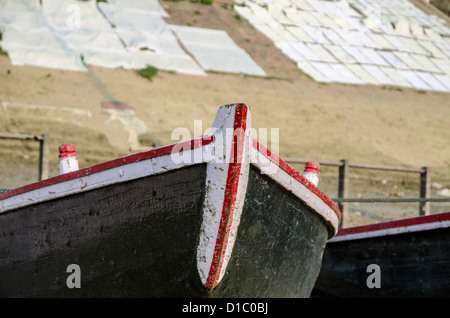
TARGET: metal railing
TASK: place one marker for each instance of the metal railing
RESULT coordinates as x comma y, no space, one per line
44,147
343,184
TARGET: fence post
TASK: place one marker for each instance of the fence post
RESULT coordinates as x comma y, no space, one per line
44,149
343,188
425,190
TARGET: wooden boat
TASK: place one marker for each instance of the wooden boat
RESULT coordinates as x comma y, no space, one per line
215,216
411,258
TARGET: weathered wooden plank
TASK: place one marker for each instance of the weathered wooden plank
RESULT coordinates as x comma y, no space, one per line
278,247
137,239
411,264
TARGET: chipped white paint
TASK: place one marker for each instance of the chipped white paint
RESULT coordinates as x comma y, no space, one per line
68,164
223,189
300,190
216,182
131,171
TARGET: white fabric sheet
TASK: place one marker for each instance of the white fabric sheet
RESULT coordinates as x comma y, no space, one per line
341,55
443,64
183,64
290,51
87,32
23,13
152,6
299,34
393,60
395,76
432,48
71,15
381,41
333,36
214,50
321,53
307,68
425,63
444,79
329,34
415,80
346,75
373,56
327,71
362,74
378,74
408,60
357,54
142,30
397,42
304,51
39,47
434,83
316,34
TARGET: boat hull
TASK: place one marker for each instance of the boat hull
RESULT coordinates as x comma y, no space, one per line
279,245
214,216
410,264
140,238
133,239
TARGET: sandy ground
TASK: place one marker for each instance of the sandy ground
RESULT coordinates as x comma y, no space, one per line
366,124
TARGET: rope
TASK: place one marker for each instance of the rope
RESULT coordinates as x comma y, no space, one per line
374,200
4,190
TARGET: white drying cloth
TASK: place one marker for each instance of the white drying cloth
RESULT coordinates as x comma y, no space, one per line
216,51
39,47
87,32
73,14
20,12
152,6
142,29
29,40
148,38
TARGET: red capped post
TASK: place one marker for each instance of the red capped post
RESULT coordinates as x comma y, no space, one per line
68,161
311,172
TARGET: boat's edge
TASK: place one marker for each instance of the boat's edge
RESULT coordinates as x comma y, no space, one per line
414,224
222,220
394,259
226,182
114,171
285,175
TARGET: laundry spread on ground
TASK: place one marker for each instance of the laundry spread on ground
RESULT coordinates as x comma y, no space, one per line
377,42
131,34
358,42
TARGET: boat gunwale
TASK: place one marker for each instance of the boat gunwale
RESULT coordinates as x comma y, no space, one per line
296,175
150,154
187,145
407,225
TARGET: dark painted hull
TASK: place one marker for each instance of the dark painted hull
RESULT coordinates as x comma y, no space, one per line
414,264
153,225
140,238
279,246
129,239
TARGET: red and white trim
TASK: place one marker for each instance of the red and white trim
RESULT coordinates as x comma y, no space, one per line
223,205
421,223
228,152
281,172
131,167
